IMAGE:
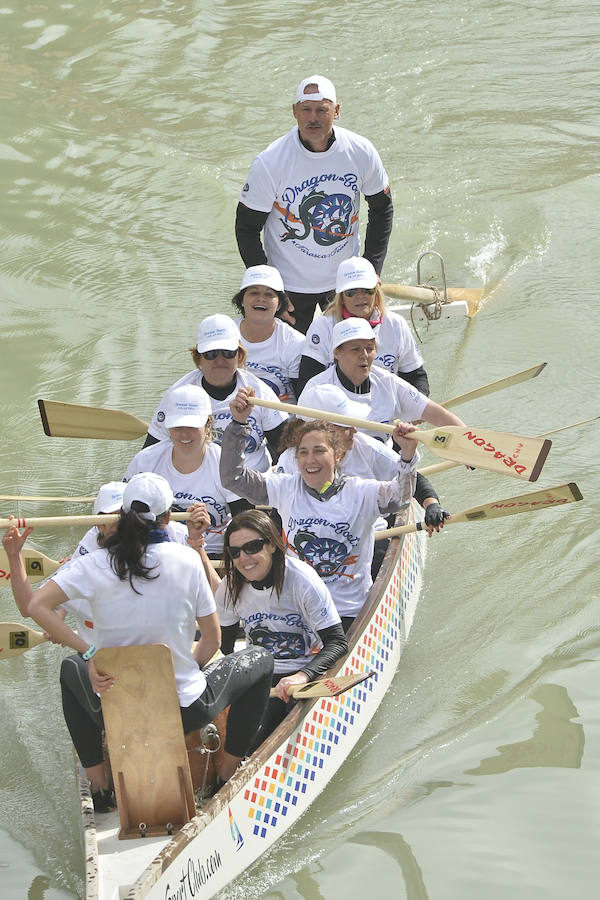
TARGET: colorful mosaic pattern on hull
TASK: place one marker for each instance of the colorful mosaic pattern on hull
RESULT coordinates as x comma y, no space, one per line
280,786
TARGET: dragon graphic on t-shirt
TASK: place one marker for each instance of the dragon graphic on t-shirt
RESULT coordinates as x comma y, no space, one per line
328,216
281,644
326,555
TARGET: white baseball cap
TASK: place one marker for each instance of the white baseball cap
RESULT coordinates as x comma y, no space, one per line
351,329
187,405
109,498
151,489
267,276
355,272
331,398
217,332
325,89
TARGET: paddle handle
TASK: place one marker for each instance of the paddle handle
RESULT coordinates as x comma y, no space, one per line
58,521
323,414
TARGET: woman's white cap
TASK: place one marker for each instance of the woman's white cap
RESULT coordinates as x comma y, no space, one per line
267,276
109,498
151,489
325,89
330,398
187,405
351,329
355,272
217,332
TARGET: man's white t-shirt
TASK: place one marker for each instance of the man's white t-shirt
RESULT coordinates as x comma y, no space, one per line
277,360
201,486
261,419
313,201
165,610
397,351
287,625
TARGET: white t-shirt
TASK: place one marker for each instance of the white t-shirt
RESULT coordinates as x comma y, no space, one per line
313,202
165,610
286,626
390,397
277,360
80,608
261,419
397,351
335,537
202,486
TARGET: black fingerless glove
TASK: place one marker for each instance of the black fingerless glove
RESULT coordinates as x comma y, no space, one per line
435,515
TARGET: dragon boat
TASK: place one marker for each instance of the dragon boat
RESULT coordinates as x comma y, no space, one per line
277,784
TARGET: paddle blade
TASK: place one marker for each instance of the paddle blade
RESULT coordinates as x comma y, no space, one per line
549,497
73,420
16,638
545,499
37,566
329,687
471,296
509,454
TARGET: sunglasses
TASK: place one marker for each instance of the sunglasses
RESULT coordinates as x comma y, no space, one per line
354,291
250,548
212,354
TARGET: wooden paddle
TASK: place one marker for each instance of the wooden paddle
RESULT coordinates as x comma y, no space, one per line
88,521
19,497
448,464
95,422
494,386
426,295
510,454
37,566
544,499
16,638
74,420
327,687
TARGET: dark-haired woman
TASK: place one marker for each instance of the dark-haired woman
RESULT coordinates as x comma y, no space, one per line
219,358
327,518
283,606
143,588
274,348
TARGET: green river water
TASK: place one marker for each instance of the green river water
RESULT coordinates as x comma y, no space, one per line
127,132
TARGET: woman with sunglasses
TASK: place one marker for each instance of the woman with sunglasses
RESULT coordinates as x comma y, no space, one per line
383,396
189,461
328,518
143,588
219,359
359,295
282,605
274,348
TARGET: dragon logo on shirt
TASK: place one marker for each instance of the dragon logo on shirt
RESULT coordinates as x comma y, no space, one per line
326,555
281,644
328,216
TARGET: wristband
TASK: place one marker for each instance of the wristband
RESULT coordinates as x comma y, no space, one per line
91,650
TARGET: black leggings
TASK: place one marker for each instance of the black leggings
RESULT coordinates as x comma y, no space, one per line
241,680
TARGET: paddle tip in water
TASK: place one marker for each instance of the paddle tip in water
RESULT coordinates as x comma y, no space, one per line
539,463
44,418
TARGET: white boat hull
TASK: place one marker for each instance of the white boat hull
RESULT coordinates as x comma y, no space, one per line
275,787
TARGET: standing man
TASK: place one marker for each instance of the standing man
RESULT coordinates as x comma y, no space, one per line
304,190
